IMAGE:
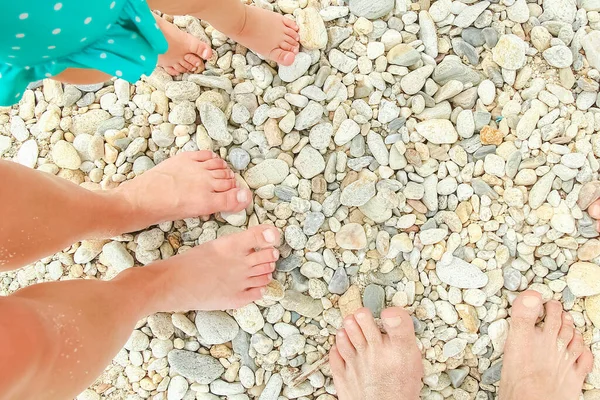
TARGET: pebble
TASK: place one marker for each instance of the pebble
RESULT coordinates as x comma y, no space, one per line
371,9
199,368
116,256
437,131
297,69
309,162
374,299
216,327
582,279
459,273
351,237
239,158
558,56
509,52
270,171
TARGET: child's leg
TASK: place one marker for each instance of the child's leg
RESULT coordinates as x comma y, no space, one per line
269,34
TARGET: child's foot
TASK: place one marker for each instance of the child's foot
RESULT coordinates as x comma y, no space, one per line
367,364
269,34
550,362
191,184
185,52
228,272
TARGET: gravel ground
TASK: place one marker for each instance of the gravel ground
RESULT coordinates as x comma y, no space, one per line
434,156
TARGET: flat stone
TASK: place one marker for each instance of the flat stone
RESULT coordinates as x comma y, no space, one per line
437,131
539,192
558,56
470,14
200,368
249,318
589,193
216,327
374,299
358,192
270,171
297,69
309,116
350,301
459,273
371,9
215,122
273,388
309,162
509,52
313,34
303,305
583,279
351,237
339,282
403,54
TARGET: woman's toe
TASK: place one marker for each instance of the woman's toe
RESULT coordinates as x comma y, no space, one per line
215,163
292,34
233,200
290,23
286,46
193,59
259,281
267,255
221,174
188,66
201,49
223,185
262,269
398,325
282,57
171,71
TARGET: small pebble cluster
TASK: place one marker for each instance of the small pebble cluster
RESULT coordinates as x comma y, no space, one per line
433,156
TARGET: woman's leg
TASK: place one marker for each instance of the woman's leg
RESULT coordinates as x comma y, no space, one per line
269,34
56,338
42,214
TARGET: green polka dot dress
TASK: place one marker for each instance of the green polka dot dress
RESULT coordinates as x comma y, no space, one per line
42,38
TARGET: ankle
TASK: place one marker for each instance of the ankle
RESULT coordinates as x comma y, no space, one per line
125,211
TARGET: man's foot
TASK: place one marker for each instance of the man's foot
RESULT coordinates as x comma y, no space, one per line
540,363
367,364
269,34
191,184
185,52
228,272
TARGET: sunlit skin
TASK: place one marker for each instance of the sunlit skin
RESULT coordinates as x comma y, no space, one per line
56,338
267,33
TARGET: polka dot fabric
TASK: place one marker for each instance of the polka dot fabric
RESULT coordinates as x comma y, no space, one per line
42,38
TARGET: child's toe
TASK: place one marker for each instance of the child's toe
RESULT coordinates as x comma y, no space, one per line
290,23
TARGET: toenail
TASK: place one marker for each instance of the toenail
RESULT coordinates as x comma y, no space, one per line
275,254
269,236
531,301
205,54
393,322
242,196
361,316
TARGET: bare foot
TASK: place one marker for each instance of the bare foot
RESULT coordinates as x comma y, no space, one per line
191,184
228,272
185,52
367,364
269,34
540,363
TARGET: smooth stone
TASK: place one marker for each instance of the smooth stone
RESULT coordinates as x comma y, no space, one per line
583,279
371,9
303,305
539,192
270,171
239,158
351,237
589,193
470,13
558,56
339,282
437,131
215,122
374,299
309,162
492,374
297,69
459,273
404,55
200,368
216,327
509,52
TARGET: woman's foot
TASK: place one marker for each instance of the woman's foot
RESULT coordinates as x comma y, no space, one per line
191,184
269,34
367,364
228,272
185,52
549,362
